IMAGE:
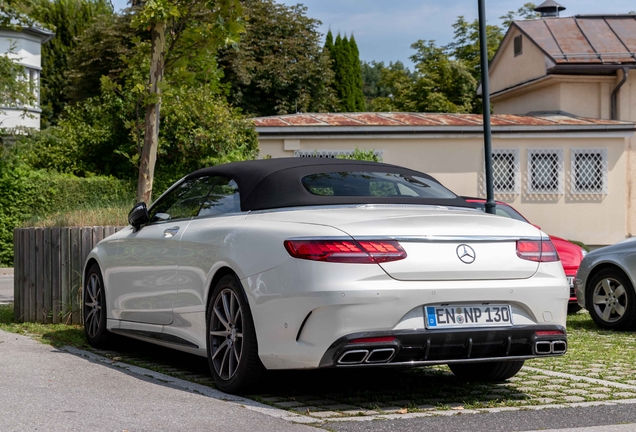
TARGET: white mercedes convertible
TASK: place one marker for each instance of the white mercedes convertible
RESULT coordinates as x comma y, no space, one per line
319,263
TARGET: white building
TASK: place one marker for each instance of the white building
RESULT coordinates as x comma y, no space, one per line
27,51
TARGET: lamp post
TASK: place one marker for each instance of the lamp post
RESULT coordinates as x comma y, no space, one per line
485,97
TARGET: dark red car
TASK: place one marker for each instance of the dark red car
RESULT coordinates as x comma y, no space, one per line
570,254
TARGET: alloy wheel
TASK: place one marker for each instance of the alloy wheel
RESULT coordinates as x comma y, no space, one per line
226,334
92,306
610,300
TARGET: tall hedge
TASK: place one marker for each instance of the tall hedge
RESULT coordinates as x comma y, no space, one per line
25,193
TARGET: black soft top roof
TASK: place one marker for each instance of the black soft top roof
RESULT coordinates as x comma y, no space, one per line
276,183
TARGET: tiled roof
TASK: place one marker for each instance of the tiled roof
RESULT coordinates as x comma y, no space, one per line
591,39
422,120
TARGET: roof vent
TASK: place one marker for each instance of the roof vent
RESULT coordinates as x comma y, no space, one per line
549,8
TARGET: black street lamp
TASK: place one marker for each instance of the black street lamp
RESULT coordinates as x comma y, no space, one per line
485,97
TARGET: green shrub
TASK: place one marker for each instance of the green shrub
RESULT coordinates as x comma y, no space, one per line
581,244
26,194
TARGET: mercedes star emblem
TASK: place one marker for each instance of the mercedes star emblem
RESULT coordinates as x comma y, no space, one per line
466,254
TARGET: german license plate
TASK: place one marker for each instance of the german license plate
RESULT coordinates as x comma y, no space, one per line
571,281
492,315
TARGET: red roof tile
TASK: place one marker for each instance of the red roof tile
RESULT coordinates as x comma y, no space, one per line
585,39
424,119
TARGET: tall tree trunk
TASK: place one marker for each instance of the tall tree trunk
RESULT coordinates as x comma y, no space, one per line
151,137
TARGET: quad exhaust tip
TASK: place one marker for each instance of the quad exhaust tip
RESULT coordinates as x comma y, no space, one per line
550,347
380,355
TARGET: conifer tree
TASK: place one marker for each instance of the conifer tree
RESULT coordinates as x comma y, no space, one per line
329,44
356,76
345,63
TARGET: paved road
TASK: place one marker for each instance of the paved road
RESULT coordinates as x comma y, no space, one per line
611,418
6,285
45,389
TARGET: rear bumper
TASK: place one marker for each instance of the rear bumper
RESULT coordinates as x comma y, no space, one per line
423,347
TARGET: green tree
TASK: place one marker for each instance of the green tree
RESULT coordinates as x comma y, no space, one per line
279,66
110,47
438,84
345,63
96,136
465,45
525,12
328,43
69,19
180,31
371,75
356,76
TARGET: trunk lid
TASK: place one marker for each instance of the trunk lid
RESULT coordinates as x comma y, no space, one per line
441,244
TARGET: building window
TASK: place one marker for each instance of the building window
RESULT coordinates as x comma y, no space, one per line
518,41
545,171
34,84
505,167
331,154
505,171
32,76
589,171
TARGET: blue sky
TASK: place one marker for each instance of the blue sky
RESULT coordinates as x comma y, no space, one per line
385,30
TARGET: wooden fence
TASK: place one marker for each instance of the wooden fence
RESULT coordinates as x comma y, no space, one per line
48,265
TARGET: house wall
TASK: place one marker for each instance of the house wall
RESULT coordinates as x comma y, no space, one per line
543,99
458,162
626,110
507,70
27,50
27,47
581,96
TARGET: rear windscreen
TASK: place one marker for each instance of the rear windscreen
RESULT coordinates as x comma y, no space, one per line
374,184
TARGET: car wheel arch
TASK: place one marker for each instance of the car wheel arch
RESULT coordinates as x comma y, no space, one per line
606,266
88,266
220,273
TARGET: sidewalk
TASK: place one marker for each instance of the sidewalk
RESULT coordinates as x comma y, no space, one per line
44,388
6,286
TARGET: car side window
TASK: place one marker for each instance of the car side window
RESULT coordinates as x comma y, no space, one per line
223,198
184,201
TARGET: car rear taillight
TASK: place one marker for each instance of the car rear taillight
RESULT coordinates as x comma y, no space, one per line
549,333
381,339
537,250
346,251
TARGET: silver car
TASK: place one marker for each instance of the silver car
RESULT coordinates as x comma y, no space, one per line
605,285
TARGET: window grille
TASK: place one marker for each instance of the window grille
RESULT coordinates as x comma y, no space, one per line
589,171
505,171
331,154
545,171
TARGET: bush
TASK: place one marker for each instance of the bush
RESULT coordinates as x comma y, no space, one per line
26,194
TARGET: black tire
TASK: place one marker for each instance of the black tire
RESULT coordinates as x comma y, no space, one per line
231,339
573,308
486,372
611,300
94,308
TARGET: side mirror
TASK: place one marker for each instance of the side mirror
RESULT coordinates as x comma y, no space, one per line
138,215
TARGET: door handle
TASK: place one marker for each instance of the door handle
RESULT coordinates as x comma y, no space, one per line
170,232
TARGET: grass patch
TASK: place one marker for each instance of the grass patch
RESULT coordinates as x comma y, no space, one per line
595,353
57,335
88,216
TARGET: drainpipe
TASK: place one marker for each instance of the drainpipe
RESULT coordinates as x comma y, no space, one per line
614,114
